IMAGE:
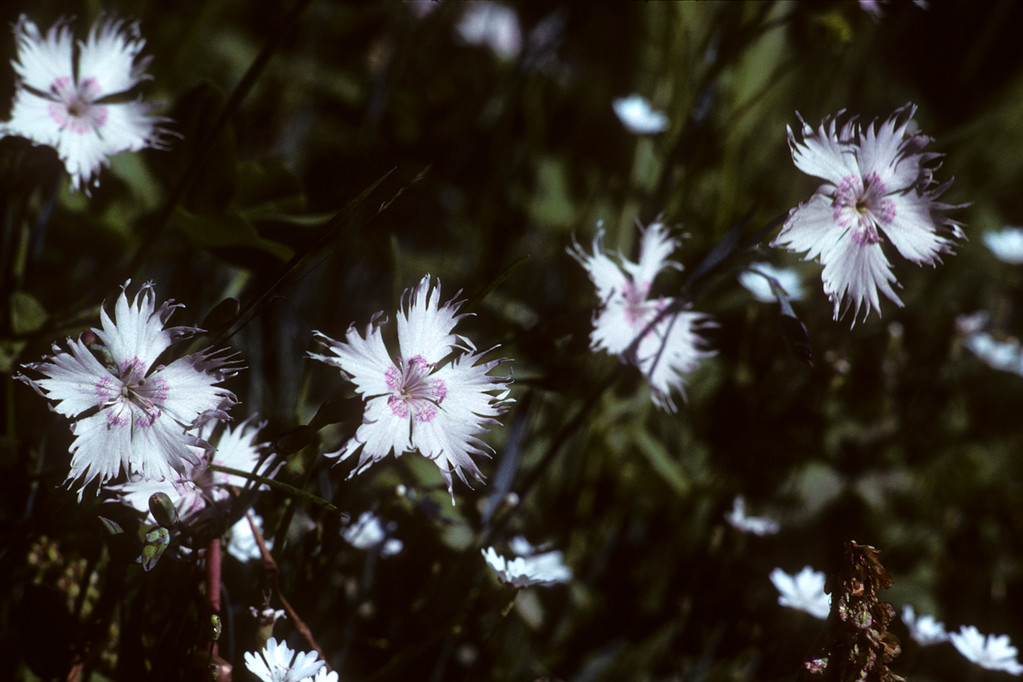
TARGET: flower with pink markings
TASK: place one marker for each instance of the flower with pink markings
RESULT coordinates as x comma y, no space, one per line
436,396
664,346
65,103
127,410
879,190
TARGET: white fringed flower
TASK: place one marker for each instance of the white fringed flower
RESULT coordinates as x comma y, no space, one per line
990,653
1006,244
638,116
127,411
436,396
757,525
198,486
65,103
624,325
277,663
242,544
879,188
925,630
804,591
541,569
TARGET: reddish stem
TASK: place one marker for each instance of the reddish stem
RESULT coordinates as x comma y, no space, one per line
213,562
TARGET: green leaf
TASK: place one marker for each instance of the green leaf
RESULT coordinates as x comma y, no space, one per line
27,313
667,468
223,230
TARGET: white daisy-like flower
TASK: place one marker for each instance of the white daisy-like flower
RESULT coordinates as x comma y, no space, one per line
65,103
925,630
198,486
368,532
638,116
754,279
127,410
990,653
492,25
1006,244
879,188
277,663
436,396
322,675
803,591
541,569
665,352
758,525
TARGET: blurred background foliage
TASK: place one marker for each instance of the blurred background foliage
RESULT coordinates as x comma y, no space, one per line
896,437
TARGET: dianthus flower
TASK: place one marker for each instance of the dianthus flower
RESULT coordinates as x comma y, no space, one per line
277,663
436,396
127,410
990,653
665,351
65,103
198,486
878,187
925,630
803,591
541,569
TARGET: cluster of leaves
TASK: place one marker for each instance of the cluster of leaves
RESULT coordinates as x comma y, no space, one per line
330,154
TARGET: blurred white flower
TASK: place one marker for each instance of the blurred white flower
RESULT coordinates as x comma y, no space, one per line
639,117
323,676
277,663
492,25
925,629
64,103
753,279
436,397
757,525
542,569
243,545
991,653
879,187
369,532
1006,244
1006,356
665,352
126,410
804,591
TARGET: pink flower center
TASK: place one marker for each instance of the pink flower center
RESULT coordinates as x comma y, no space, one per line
413,392
129,398
861,205
74,107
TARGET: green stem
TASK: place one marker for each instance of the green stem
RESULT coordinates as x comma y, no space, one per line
277,485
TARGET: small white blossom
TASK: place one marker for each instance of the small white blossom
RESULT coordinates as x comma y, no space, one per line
1006,356
126,410
757,525
756,283
277,663
1006,244
243,545
492,25
322,675
666,351
804,591
64,103
639,117
925,629
878,187
436,397
368,532
542,569
990,653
